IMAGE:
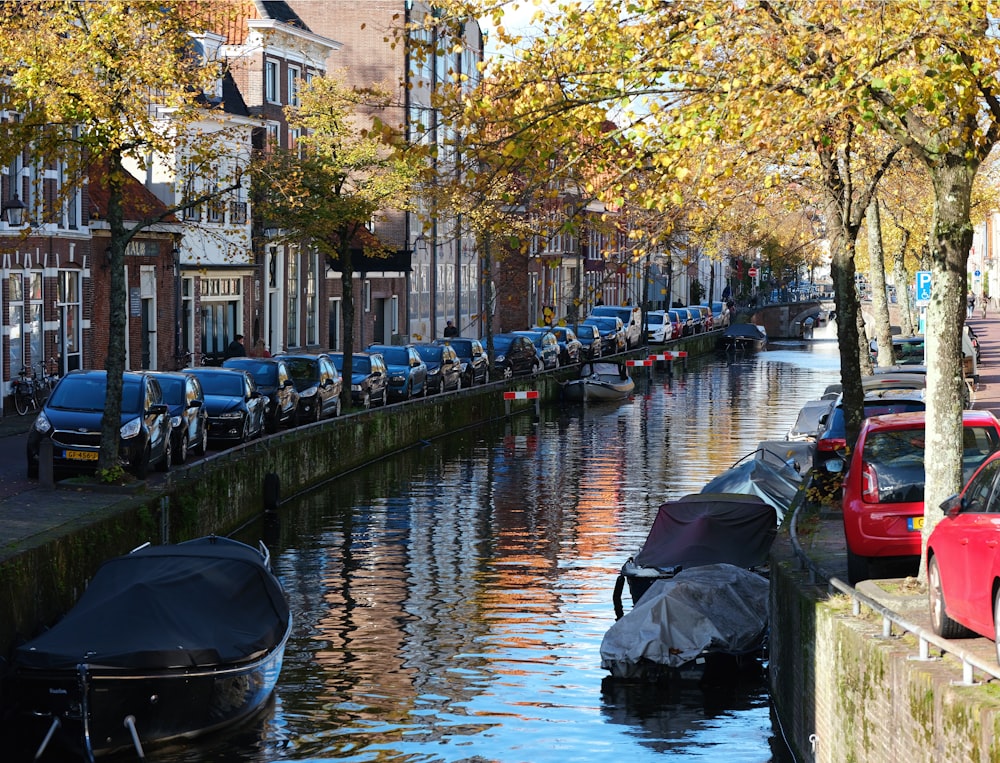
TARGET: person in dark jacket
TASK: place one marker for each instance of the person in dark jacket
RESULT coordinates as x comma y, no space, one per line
450,330
236,348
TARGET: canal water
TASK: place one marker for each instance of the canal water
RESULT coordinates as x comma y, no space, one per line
450,601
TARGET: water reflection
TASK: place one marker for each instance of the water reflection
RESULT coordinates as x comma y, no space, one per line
450,602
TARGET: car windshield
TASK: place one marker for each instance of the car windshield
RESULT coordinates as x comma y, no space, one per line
836,428
223,384
502,343
397,356
302,369
173,390
265,374
90,393
654,319
430,353
360,365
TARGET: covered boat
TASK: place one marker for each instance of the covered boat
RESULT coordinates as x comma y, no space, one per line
775,482
698,589
600,381
166,642
742,337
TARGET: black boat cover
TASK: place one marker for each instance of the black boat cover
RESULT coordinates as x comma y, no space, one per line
744,331
206,602
709,528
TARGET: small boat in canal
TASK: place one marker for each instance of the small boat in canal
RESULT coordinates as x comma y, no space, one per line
599,382
777,482
742,337
166,643
699,591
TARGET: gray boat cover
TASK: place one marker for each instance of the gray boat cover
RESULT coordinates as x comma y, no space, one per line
708,528
777,484
716,608
206,602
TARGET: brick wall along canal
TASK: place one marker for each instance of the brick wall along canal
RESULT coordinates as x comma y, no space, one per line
450,602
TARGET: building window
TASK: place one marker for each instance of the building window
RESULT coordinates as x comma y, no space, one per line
220,314
273,136
293,300
15,317
367,298
312,304
69,350
271,81
187,322
294,82
216,206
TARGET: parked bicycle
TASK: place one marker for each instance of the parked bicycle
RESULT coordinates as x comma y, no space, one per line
32,390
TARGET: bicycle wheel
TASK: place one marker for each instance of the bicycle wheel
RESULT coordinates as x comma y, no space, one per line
22,399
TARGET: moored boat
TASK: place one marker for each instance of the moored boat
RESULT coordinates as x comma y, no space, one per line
699,590
742,337
599,381
167,642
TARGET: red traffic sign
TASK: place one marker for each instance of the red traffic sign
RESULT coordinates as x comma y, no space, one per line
753,272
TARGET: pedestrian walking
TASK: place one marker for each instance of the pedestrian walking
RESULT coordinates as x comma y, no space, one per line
970,306
983,302
236,348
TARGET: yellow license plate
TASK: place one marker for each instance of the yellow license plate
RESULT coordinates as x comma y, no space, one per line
81,455
915,523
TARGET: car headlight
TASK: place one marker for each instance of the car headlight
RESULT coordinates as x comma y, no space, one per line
175,421
356,388
130,429
501,358
397,378
231,415
42,423
311,392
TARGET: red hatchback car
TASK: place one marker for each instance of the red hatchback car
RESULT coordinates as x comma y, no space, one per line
883,499
963,559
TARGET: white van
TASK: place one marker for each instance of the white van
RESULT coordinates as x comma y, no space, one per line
630,316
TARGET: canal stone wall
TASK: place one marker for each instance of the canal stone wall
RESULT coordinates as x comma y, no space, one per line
842,692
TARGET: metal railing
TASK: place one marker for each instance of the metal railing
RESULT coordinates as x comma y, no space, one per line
926,638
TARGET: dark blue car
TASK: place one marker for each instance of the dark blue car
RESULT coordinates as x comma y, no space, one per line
188,417
236,409
407,372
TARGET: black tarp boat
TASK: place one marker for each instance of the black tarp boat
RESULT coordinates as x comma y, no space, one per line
741,337
699,589
777,482
167,642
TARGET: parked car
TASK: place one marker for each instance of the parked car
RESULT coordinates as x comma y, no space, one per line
687,320
828,458
547,346
589,336
71,419
658,328
721,316
707,318
236,409
369,378
472,355
514,354
963,566
631,318
318,383
676,324
407,372
612,334
188,415
570,348
883,501
275,383
444,369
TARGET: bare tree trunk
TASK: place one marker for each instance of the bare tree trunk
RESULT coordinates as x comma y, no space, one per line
876,276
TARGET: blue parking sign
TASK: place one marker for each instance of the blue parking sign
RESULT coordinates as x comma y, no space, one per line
923,290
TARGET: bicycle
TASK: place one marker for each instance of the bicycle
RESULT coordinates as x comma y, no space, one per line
45,383
25,392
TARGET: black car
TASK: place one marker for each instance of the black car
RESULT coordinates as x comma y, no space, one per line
444,369
236,409
570,348
188,416
590,338
472,355
318,383
369,378
275,383
514,354
71,419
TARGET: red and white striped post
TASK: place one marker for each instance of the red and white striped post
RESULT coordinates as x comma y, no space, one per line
667,358
525,394
648,364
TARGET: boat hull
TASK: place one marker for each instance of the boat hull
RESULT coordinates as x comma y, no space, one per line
584,390
91,705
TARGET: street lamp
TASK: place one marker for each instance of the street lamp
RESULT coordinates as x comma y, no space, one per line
13,212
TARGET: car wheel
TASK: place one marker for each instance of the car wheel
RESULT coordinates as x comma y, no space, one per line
458,385
142,467
182,450
942,624
202,446
366,401
858,568
245,435
166,460
336,407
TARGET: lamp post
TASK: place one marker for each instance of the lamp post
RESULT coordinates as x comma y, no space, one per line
13,212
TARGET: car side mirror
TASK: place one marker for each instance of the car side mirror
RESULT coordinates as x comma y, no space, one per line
158,409
952,505
196,404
